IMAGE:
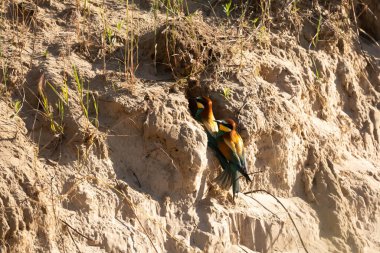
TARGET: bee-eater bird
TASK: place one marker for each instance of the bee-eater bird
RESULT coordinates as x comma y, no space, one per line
201,107
231,145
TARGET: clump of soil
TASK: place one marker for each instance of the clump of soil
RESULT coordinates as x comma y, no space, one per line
187,46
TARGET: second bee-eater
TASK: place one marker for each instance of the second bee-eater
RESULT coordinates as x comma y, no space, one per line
230,144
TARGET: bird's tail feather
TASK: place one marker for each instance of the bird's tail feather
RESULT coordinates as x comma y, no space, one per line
247,178
229,178
225,179
235,183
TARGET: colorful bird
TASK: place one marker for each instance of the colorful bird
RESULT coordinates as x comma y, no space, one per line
201,108
231,145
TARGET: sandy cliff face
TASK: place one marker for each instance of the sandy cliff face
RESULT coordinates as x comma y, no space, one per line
99,160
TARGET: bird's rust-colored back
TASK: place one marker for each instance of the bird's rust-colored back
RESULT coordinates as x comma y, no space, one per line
233,136
225,150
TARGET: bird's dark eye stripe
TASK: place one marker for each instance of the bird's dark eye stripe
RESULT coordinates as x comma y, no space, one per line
226,124
200,100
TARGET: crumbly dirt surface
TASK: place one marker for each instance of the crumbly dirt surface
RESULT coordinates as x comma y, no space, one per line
99,152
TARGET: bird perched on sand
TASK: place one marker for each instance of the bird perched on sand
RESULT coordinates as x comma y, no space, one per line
230,144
